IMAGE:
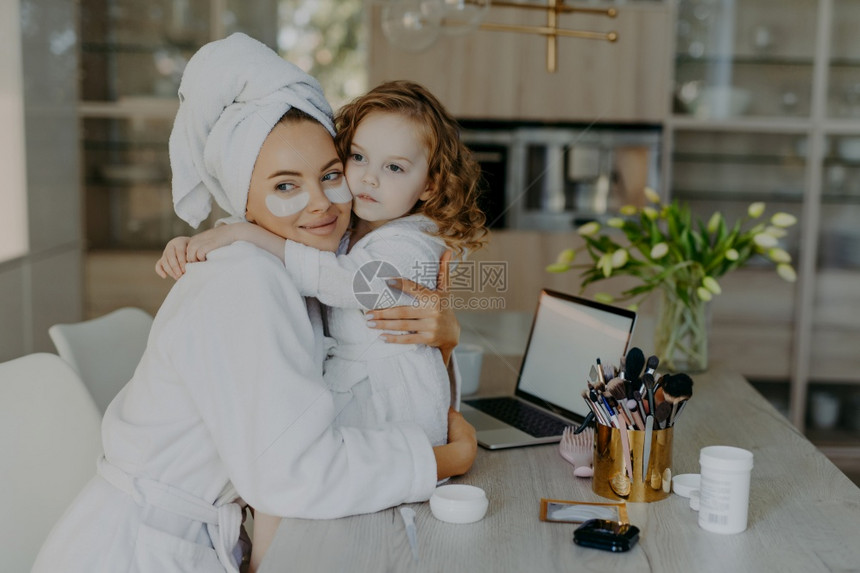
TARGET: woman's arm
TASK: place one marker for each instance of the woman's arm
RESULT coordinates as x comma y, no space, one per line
250,369
457,456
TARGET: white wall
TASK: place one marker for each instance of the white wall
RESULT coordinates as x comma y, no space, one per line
13,197
43,284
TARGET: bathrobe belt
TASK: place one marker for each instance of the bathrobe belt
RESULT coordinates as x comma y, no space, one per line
223,520
374,350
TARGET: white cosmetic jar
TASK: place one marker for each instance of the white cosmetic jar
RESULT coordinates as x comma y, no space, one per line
459,503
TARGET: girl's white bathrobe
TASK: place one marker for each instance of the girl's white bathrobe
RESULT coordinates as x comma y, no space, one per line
374,381
228,392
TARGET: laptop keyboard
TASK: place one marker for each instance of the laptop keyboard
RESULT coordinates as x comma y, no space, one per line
519,415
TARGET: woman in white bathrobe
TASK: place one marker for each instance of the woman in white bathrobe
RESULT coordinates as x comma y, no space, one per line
228,399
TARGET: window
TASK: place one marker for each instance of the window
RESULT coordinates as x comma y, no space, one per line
326,38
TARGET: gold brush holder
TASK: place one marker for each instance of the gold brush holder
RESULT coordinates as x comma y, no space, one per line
610,478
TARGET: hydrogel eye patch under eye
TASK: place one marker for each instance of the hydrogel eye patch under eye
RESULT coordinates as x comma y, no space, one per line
286,206
339,194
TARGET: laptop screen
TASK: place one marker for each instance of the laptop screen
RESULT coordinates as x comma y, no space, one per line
568,335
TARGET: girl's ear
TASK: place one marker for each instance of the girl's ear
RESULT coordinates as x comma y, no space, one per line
428,191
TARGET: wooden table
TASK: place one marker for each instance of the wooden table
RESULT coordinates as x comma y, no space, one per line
804,513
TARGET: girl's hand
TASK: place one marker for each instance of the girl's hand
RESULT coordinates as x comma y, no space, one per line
172,261
431,321
203,243
457,456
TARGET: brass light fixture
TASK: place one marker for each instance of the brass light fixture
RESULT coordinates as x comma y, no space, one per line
416,24
553,8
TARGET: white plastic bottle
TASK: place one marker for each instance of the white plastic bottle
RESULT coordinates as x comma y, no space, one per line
724,489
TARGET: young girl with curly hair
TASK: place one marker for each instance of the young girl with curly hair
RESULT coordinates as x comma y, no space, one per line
415,190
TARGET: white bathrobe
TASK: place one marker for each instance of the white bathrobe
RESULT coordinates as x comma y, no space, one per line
372,380
229,390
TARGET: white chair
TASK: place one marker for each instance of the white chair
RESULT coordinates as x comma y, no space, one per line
49,442
104,351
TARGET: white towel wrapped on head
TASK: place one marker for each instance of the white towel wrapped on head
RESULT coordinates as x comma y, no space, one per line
232,94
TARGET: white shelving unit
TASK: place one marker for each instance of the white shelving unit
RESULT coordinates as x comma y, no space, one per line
789,68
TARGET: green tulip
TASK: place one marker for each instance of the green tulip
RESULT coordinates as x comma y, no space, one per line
589,229
652,195
704,294
615,222
650,212
619,258
778,255
558,268
732,255
756,209
628,210
765,240
712,285
777,232
659,251
604,297
566,257
604,263
783,219
714,222
786,271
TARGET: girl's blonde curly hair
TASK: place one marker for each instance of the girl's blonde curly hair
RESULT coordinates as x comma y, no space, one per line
455,174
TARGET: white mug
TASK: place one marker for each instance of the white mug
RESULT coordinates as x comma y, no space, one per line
470,358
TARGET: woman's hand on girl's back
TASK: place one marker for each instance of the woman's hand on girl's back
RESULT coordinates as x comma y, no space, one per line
431,321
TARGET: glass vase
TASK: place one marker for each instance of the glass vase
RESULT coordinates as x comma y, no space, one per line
681,336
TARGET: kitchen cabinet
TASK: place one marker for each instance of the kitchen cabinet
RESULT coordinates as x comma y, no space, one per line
502,75
766,107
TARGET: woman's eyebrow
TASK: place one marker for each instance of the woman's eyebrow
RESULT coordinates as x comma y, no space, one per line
330,164
285,173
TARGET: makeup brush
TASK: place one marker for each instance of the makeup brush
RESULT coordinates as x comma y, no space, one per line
619,412
625,442
678,388
608,372
651,364
662,413
633,363
680,409
637,395
633,408
648,384
591,415
616,389
646,446
598,406
622,373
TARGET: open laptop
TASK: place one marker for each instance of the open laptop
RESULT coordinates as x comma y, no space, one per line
568,334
